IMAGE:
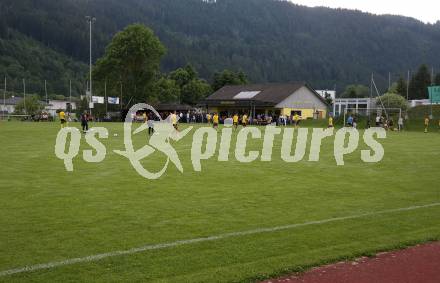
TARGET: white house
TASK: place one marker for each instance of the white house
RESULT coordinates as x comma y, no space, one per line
418,102
8,105
55,105
358,105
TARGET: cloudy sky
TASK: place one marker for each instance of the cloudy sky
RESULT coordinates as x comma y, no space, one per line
424,10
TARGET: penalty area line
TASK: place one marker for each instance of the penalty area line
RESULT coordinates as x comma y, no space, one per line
97,257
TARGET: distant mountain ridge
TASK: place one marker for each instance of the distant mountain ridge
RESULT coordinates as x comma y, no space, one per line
271,41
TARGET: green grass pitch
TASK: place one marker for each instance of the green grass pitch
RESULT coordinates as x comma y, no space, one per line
48,214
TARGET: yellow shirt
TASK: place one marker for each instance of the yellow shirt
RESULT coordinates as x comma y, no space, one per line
62,115
235,119
330,121
426,122
215,119
296,117
174,119
145,117
244,119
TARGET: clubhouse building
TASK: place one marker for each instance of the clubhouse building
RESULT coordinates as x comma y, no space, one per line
268,99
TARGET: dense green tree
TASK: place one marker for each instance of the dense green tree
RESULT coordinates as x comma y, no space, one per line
133,57
182,76
29,106
194,91
83,105
401,87
228,77
393,100
356,91
437,79
418,87
166,90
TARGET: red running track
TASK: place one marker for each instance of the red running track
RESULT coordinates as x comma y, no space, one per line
413,265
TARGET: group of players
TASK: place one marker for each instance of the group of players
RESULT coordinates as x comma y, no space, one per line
84,120
214,119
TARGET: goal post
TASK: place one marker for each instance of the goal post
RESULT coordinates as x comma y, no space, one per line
372,117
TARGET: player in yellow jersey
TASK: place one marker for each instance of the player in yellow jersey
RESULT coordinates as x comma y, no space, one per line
244,120
296,120
426,124
208,117
330,122
215,121
174,120
235,120
62,118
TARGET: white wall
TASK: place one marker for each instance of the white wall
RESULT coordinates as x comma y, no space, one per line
9,108
303,98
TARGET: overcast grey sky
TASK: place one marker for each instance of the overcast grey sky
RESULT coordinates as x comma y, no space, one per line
424,10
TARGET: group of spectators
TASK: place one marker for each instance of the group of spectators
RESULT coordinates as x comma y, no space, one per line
263,119
380,121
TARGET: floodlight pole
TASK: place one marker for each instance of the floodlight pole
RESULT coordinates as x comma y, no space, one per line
90,20
45,91
432,84
24,95
407,87
4,97
105,98
389,81
70,95
371,98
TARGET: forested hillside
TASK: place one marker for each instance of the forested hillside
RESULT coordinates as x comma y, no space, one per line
24,58
269,40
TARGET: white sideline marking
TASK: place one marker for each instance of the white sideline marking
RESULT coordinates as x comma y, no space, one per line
197,240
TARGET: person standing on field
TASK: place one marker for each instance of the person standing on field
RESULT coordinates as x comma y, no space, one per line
235,120
62,119
296,120
215,121
330,122
400,124
174,120
244,120
426,124
85,122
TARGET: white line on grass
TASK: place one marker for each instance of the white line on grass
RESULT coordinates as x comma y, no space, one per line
197,240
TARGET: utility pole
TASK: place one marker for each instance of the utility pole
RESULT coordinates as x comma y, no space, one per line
105,98
432,83
407,86
389,81
70,95
4,97
24,95
371,98
120,102
45,91
90,20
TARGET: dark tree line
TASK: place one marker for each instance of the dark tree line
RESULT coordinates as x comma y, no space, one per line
272,41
